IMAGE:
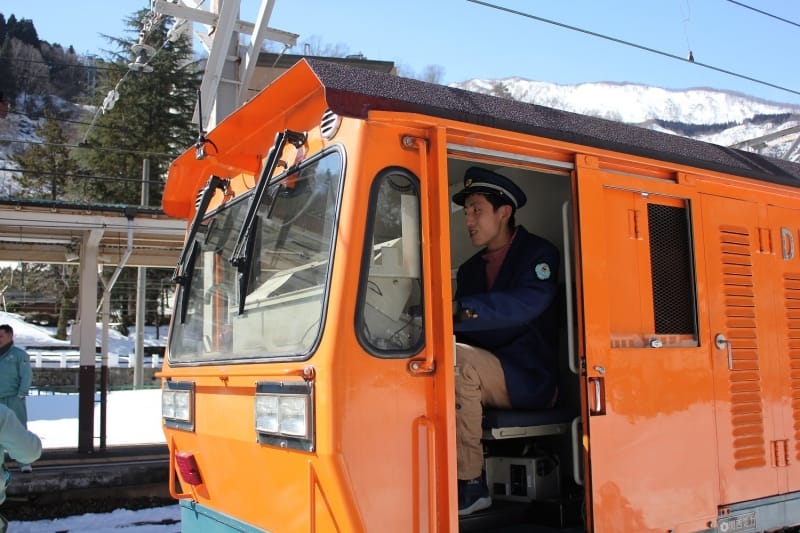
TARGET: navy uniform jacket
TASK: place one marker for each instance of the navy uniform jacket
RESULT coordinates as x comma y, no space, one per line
515,320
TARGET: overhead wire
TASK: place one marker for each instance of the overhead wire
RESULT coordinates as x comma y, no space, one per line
635,45
776,17
81,176
87,146
57,119
148,26
60,63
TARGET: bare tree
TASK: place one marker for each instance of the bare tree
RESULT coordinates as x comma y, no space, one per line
31,71
430,73
313,46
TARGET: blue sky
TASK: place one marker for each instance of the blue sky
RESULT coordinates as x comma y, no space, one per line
469,40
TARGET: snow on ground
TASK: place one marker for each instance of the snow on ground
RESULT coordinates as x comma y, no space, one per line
156,520
28,334
55,418
133,417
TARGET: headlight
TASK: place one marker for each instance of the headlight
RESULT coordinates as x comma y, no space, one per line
284,414
177,404
267,413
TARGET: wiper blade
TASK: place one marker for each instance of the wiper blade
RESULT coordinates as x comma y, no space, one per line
240,250
243,249
214,182
187,279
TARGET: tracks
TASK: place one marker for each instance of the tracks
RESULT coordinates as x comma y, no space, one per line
63,482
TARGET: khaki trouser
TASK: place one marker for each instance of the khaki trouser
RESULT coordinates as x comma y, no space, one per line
479,381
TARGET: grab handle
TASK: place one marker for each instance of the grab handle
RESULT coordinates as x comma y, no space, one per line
722,343
577,474
597,386
574,363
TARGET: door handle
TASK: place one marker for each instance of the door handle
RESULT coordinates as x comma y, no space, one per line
597,390
723,343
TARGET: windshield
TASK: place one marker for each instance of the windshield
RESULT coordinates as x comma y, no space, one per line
286,269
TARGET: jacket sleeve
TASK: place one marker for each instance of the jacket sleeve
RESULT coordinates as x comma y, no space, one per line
25,373
22,445
524,302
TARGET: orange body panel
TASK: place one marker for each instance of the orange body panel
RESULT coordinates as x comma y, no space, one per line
366,407
673,429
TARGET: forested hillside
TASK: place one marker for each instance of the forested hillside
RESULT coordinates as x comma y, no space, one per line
77,129
37,68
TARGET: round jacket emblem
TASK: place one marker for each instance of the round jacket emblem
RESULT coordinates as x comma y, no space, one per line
542,271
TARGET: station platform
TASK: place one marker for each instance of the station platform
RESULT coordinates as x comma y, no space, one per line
119,471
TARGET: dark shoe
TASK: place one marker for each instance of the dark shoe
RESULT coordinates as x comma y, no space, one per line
473,495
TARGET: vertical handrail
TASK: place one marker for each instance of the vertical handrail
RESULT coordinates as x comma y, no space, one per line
428,364
430,441
568,289
576,451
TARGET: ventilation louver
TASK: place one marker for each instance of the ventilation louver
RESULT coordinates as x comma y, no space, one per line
329,126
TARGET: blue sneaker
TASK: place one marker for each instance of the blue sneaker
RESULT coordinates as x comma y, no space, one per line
473,495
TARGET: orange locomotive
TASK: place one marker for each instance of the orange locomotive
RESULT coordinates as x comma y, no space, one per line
309,380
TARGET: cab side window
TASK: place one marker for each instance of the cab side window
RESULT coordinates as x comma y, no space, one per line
389,312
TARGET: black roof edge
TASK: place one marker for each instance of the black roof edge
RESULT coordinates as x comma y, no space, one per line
354,92
285,61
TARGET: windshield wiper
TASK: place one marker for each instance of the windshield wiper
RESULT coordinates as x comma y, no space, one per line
243,250
180,275
187,279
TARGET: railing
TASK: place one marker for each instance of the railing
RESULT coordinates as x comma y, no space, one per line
69,357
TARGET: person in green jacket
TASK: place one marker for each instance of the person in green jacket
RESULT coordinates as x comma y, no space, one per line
22,445
15,379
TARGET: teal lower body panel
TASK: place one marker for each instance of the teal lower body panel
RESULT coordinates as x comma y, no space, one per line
773,513
196,518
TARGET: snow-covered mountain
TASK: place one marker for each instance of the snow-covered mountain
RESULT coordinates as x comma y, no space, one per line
716,116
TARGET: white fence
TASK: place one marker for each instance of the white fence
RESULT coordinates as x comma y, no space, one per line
58,357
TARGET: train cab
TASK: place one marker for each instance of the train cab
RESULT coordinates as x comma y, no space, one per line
309,379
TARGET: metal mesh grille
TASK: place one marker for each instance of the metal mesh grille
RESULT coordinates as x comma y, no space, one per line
671,265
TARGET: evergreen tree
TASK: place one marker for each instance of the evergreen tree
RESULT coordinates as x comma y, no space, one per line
48,168
69,279
25,31
11,23
8,85
20,29
151,116
67,75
